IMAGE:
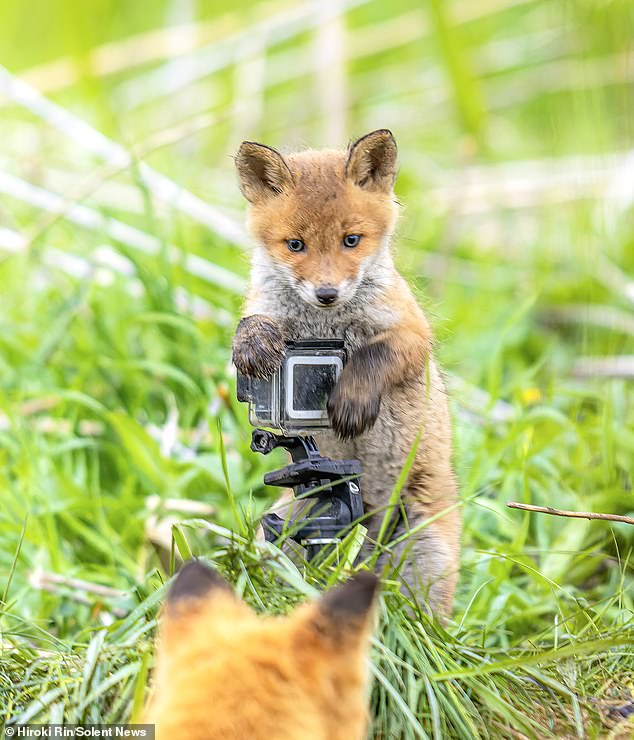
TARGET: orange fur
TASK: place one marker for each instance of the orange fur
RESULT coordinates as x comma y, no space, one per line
225,672
322,206
349,210
391,387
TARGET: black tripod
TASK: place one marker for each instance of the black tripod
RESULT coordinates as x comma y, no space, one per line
337,502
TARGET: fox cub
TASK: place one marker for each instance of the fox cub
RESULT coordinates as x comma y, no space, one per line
322,222
224,673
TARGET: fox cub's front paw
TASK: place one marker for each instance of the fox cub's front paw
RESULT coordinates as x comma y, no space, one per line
352,407
258,347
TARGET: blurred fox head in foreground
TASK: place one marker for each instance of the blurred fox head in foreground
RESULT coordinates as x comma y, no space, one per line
224,672
322,220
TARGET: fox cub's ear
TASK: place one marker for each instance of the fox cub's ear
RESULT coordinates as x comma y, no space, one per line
372,161
352,600
262,171
194,581
346,610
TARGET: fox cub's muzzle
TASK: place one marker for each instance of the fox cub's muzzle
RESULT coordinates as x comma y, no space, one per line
326,295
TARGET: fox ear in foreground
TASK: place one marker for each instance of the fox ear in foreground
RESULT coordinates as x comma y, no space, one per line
349,605
262,171
372,161
194,581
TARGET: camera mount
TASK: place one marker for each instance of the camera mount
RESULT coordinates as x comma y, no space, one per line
331,487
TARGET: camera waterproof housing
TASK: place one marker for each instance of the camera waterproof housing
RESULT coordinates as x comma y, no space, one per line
294,399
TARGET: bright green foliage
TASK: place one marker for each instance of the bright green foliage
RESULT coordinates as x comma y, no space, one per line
119,296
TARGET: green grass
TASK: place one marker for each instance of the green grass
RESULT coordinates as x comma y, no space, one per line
117,400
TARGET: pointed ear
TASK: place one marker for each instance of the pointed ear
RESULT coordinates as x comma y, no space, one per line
349,606
194,581
262,171
372,161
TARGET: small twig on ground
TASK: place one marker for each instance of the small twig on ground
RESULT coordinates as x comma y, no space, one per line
42,579
571,514
79,591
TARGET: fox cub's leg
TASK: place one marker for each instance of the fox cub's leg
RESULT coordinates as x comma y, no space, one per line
258,346
383,363
355,401
431,568
427,561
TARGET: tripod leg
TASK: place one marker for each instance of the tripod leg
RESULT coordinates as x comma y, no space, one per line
280,508
289,509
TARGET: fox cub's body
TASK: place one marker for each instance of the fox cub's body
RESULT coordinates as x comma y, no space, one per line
223,673
322,268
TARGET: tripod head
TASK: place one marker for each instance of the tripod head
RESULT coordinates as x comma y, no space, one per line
337,501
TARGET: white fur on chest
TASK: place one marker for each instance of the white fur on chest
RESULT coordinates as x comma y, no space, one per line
367,314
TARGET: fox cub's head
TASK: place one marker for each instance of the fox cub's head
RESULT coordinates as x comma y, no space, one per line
324,217
224,672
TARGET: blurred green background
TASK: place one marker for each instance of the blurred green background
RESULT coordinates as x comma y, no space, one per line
123,262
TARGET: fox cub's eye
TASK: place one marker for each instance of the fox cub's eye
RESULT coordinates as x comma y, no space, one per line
351,240
295,245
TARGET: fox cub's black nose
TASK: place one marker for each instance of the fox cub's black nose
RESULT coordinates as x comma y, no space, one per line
326,295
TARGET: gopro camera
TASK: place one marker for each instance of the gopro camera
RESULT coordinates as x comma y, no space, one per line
294,399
